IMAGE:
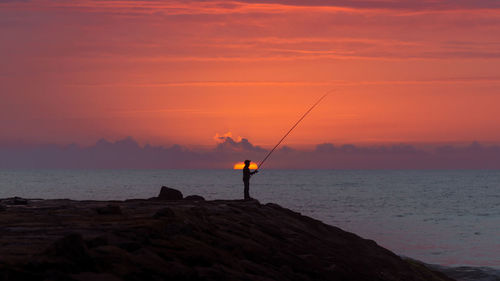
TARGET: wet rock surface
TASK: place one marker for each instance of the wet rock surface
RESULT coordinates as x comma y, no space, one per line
186,240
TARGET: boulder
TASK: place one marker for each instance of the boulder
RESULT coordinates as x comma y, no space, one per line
167,193
194,198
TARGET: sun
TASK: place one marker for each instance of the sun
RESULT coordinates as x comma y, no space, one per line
241,165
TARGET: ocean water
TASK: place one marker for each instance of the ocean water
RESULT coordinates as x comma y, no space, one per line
446,218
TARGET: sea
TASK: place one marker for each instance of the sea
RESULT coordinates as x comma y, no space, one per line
449,219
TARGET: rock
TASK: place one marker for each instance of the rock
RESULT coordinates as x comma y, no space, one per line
15,201
85,276
109,210
206,240
70,246
164,213
194,198
167,193
71,251
97,242
2,208
19,201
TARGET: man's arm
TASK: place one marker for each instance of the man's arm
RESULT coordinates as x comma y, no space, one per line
254,172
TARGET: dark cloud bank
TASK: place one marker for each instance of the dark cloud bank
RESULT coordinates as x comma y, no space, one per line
127,153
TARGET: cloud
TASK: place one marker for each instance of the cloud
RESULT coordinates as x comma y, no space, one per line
222,138
274,31
127,153
204,84
382,4
228,144
118,63
254,6
325,148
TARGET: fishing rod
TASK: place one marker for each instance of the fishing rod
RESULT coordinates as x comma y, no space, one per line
293,127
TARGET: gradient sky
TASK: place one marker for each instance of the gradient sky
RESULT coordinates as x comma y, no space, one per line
167,72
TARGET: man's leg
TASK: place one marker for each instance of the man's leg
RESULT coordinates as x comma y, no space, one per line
246,192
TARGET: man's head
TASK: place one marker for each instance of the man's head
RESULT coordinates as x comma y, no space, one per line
247,163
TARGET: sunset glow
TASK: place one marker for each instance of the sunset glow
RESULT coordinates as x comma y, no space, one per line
241,165
175,72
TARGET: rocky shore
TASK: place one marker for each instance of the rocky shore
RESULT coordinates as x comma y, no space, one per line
175,238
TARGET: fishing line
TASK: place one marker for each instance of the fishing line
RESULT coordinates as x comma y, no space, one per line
293,127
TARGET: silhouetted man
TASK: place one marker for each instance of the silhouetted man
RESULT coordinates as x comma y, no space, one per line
246,179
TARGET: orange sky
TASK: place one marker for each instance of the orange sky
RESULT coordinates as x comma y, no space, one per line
170,72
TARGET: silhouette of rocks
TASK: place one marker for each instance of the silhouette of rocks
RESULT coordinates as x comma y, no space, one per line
15,201
194,198
2,208
109,210
188,240
167,193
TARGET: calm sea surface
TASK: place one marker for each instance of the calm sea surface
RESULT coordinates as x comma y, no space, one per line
450,218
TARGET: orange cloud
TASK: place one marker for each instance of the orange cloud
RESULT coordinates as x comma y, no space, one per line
222,138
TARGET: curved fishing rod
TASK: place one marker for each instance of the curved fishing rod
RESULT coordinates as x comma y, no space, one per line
293,127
